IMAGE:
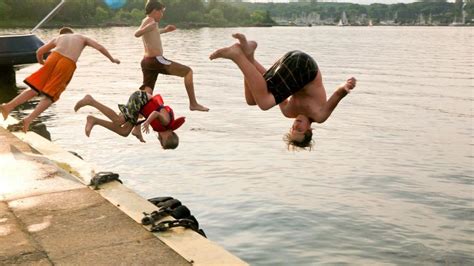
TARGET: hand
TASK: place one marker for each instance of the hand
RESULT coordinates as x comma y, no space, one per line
115,60
146,127
349,85
170,28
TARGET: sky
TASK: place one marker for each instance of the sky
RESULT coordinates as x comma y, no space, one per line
363,2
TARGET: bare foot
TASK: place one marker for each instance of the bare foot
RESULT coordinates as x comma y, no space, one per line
83,102
198,107
230,52
248,47
26,125
4,111
89,125
137,133
349,85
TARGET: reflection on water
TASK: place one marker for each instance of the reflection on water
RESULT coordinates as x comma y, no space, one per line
390,180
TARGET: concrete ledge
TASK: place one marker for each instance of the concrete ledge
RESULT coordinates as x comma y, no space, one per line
79,226
81,216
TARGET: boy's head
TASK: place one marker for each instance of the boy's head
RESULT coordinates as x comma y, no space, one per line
301,133
153,5
168,139
65,30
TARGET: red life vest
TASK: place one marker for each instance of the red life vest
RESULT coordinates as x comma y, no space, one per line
156,104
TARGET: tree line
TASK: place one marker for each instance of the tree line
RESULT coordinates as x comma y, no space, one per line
218,13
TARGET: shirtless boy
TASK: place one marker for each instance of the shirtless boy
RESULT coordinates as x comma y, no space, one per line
294,82
153,61
55,74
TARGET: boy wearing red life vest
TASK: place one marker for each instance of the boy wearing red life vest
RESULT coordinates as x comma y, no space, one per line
158,116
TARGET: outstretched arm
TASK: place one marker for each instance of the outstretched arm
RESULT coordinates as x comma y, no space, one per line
168,28
164,120
101,49
45,49
335,98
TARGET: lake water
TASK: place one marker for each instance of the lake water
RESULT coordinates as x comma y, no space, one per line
390,179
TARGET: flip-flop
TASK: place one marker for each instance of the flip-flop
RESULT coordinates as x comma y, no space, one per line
104,177
16,127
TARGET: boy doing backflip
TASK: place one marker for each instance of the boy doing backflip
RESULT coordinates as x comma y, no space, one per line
294,82
55,74
158,116
153,62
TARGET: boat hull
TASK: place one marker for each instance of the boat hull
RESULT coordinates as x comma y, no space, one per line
19,50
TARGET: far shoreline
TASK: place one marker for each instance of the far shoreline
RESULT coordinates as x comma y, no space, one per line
204,25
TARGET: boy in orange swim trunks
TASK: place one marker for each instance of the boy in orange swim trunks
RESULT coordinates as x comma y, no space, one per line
55,74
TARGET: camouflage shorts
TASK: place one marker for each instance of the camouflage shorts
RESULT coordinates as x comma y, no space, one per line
135,103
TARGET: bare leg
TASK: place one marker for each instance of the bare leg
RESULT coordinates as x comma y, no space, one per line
148,90
4,111
248,94
189,84
255,80
90,123
138,133
22,98
42,105
121,129
177,69
88,100
249,47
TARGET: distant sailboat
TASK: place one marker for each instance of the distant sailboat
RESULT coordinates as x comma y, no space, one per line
343,21
370,23
463,19
421,20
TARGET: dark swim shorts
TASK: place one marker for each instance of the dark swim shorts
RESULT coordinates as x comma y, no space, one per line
290,74
152,66
132,109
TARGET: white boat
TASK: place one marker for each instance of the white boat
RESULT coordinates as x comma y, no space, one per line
343,21
20,50
463,19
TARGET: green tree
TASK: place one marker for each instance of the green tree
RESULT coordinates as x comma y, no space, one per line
216,17
5,10
195,16
101,14
137,15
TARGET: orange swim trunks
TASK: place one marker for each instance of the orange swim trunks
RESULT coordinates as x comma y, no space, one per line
53,77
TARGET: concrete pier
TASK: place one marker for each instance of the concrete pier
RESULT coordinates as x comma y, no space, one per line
48,216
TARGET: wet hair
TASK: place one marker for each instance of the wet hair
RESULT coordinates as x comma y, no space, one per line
65,30
306,143
171,142
152,5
